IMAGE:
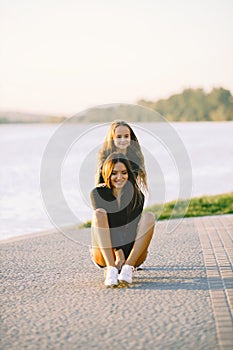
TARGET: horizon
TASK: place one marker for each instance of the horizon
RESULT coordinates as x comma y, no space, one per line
68,115
64,58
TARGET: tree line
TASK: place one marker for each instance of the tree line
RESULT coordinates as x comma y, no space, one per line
195,105
190,105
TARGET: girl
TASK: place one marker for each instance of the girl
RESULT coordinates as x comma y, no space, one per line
121,138
120,234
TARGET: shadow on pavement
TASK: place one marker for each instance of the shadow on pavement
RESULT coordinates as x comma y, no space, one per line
176,278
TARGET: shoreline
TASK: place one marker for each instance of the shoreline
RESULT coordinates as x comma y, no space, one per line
28,236
57,231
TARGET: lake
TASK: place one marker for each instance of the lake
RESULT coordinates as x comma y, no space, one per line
47,170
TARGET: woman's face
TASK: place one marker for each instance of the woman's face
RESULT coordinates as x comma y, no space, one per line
119,176
121,137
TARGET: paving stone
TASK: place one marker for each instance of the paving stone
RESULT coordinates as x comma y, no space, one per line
53,297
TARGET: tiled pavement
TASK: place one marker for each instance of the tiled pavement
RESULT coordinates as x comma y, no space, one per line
53,297
216,235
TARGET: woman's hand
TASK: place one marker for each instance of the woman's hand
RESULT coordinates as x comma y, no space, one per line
120,259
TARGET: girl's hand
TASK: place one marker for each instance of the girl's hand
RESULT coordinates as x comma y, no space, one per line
120,259
102,184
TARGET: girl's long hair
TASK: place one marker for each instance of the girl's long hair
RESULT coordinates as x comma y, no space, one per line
133,153
132,191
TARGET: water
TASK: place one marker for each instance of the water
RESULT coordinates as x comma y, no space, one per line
194,159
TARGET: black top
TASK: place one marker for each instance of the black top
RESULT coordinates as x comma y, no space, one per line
123,220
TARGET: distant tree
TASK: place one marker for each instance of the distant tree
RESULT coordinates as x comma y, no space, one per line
195,105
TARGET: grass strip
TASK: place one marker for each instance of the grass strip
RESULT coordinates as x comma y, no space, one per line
199,206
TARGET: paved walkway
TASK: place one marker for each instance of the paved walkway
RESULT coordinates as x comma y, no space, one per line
216,241
53,297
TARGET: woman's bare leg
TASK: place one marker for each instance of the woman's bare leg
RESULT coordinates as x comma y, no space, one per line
145,232
103,253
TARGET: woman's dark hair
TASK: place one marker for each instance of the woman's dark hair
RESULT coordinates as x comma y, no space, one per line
107,169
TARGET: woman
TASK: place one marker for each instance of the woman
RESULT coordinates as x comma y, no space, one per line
121,138
120,234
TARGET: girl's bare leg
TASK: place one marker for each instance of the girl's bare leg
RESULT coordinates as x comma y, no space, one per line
145,232
103,253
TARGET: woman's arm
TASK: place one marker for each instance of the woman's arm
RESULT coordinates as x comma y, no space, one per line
120,258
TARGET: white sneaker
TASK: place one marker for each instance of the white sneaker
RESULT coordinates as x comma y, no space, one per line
111,277
126,274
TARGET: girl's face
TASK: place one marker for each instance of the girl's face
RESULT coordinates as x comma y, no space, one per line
121,137
119,176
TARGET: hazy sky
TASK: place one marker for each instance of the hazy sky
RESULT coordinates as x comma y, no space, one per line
62,56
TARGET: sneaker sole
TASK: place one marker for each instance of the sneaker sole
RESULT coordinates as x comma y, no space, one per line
111,285
125,283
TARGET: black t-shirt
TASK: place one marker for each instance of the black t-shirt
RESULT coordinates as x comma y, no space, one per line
123,220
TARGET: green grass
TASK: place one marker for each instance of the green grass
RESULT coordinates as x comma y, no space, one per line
200,206
86,224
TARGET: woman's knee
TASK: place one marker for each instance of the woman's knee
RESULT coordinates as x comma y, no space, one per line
100,215
149,218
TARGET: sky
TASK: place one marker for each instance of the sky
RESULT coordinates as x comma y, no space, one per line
63,56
